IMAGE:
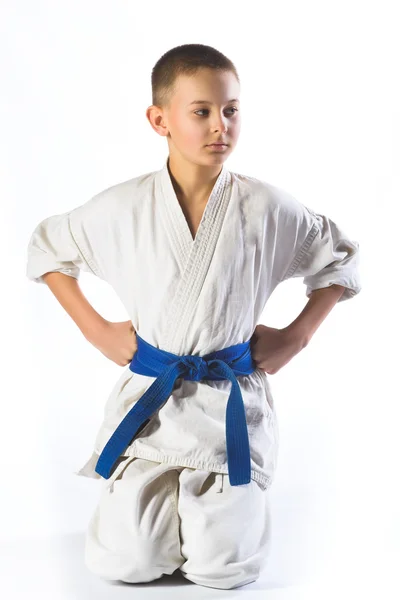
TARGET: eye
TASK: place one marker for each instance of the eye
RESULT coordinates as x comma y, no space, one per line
206,109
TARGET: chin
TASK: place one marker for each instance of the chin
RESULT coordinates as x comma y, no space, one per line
219,156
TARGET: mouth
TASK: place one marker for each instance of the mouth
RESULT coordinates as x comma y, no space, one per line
217,146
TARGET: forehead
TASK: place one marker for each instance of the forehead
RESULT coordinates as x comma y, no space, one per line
208,85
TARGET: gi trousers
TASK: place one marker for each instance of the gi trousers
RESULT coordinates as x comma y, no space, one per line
154,518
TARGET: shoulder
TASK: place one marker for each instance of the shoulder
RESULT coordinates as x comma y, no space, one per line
275,199
117,198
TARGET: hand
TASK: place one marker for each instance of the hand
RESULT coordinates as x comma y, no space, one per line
272,348
117,341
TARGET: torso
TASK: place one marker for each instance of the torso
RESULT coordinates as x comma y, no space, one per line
193,217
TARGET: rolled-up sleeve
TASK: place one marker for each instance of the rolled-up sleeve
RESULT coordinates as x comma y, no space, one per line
326,257
53,248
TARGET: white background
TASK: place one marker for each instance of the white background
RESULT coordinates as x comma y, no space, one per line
320,119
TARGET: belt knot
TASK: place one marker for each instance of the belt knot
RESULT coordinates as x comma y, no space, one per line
196,365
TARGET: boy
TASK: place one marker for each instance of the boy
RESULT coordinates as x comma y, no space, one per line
193,252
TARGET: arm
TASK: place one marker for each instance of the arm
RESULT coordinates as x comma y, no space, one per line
56,259
315,311
69,294
117,341
273,348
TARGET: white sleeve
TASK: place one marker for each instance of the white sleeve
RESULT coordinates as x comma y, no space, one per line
53,248
327,256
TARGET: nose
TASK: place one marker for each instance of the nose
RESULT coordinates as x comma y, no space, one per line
220,124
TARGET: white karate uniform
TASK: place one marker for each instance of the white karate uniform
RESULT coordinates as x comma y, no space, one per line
195,296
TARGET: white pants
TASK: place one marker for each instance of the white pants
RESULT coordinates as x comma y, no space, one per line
154,518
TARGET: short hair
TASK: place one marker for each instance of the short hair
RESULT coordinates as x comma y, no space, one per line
184,60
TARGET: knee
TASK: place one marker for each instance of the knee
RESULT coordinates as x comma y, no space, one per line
221,582
121,567
131,565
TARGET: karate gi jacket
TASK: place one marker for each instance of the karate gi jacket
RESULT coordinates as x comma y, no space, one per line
195,296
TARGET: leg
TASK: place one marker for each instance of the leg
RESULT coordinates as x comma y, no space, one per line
225,536
133,535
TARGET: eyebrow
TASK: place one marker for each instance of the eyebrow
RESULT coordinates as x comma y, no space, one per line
207,102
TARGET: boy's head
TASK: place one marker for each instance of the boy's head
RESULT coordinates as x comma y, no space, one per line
183,76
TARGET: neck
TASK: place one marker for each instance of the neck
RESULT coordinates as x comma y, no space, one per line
192,183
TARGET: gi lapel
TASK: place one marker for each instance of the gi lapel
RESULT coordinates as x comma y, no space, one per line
193,256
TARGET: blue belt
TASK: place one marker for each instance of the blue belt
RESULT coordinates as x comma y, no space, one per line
167,367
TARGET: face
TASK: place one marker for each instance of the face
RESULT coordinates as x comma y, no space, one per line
190,127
